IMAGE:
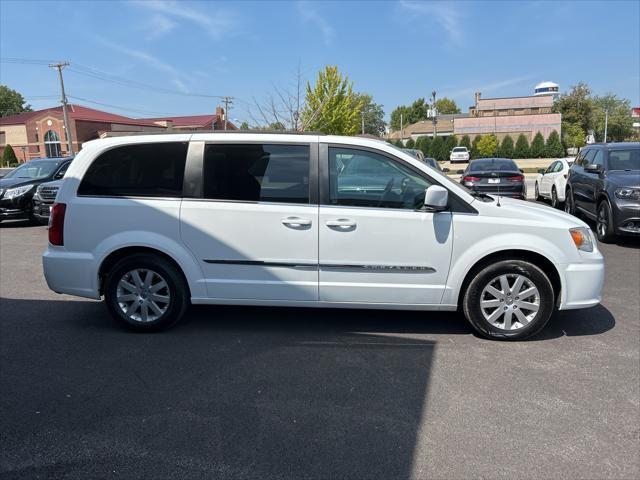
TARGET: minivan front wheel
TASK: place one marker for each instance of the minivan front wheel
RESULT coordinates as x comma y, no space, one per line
145,292
509,300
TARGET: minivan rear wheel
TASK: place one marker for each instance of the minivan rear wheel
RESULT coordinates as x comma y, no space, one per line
509,300
145,292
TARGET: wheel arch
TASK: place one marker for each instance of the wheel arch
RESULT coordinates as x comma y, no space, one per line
115,256
535,258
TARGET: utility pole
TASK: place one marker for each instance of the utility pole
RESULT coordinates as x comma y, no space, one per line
606,122
401,130
362,116
65,116
434,112
227,101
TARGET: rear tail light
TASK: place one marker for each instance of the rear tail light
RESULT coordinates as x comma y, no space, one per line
471,179
56,224
517,178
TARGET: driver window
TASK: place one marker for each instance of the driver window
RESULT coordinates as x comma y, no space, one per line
552,167
60,173
360,178
588,157
598,159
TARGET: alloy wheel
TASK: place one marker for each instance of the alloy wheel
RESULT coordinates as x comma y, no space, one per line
510,301
143,295
603,221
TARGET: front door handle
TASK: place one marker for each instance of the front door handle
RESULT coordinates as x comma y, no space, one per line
296,222
343,223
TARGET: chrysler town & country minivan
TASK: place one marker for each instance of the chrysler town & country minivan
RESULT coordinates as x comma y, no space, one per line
155,223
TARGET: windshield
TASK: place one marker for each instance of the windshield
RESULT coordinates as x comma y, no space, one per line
33,170
493,165
624,159
460,149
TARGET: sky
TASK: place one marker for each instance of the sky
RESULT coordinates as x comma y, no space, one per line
397,51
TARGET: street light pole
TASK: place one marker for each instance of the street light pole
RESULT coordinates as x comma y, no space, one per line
606,122
434,113
65,116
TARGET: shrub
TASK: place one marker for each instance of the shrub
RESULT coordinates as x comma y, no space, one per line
553,148
426,146
9,158
450,143
474,147
487,146
437,149
522,147
506,149
466,142
410,143
537,149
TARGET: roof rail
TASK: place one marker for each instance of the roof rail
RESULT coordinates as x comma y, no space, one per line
219,132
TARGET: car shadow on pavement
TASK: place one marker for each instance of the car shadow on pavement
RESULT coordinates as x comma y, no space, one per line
233,392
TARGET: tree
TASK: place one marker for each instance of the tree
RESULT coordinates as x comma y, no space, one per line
244,126
446,106
572,135
487,146
12,102
331,105
373,115
418,110
537,149
425,145
410,143
449,144
506,149
437,149
522,147
576,106
474,147
465,141
277,126
620,123
553,148
9,158
399,143
284,106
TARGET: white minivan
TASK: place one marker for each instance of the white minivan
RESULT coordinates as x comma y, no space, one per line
155,223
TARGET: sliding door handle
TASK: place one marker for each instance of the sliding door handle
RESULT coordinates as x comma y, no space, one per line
296,222
343,223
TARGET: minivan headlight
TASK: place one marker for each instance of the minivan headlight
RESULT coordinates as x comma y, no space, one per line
582,238
16,192
628,193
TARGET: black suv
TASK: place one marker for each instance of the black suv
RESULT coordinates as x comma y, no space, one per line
604,185
19,185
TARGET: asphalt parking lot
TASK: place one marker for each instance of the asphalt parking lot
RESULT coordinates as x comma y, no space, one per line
301,393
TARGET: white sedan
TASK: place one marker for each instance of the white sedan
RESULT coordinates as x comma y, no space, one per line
551,183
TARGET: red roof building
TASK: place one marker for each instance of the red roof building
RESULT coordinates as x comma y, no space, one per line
42,134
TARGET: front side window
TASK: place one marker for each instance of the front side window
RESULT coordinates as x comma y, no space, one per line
598,158
145,170
552,168
256,172
361,178
587,157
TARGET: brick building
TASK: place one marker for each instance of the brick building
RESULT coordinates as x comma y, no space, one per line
42,134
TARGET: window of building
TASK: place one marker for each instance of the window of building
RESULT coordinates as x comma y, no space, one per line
360,178
257,172
52,144
146,170
3,138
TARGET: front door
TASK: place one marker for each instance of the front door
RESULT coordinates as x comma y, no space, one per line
254,225
376,245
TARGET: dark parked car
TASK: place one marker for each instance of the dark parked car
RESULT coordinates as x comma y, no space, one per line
18,187
414,153
44,198
495,176
433,163
604,185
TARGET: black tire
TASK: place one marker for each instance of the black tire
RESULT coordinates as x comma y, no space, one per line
177,289
472,297
604,224
569,205
555,203
537,193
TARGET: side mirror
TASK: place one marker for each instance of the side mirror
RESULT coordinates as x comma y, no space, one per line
460,172
593,168
445,170
540,171
436,198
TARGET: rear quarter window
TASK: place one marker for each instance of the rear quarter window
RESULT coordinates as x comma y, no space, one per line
144,170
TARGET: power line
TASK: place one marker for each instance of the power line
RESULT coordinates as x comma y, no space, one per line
146,112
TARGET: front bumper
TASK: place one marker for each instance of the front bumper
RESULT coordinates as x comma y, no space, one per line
582,283
12,208
626,216
41,209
